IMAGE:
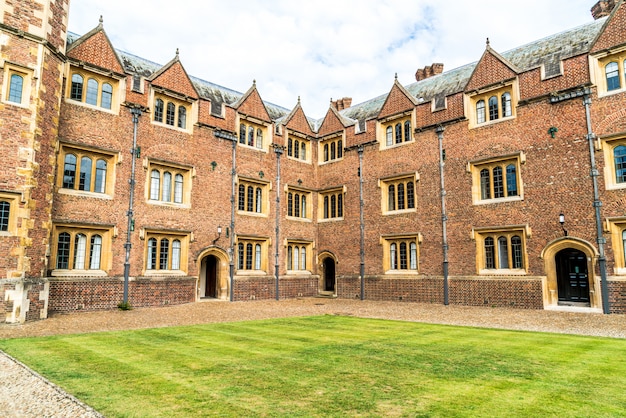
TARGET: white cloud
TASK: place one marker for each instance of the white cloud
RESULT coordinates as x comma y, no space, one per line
325,48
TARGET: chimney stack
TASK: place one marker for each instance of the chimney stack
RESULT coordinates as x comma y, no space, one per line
341,104
602,8
429,71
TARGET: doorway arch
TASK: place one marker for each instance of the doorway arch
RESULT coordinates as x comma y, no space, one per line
569,264
213,278
328,278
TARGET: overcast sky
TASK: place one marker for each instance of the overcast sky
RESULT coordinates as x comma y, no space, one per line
321,49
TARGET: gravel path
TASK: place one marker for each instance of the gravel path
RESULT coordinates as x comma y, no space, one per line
23,393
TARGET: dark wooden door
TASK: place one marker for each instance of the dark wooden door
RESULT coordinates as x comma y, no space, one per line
210,288
572,276
329,274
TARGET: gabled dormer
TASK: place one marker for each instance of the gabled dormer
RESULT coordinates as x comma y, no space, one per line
253,121
396,119
492,92
95,75
173,97
298,134
332,136
608,54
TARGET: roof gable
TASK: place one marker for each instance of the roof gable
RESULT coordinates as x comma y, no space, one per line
491,69
297,120
251,104
95,48
333,122
172,76
613,32
398,100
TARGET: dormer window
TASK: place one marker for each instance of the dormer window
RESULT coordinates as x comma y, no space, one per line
492,106
610,72
251,134
171,112
92,89
396,130
612,76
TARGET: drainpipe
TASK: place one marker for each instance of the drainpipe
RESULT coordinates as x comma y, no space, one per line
597,203
444,216
360,150
279,151
231,249
130,225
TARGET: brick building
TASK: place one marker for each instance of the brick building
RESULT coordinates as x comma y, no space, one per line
499,183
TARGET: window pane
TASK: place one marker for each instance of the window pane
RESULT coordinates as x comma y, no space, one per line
498,183
171,112
63,251
296,258
84,182
400,196
296,206
289,204
624,244
333,206
107,96
155,184
506,105
339,149
259,200
69,171
290,258
303,207
413,263
101,176
612,76
403,264
303,151
4,215
242,133
240,256
92,92
241,202
480,111
516,250
182,117
398,133
332,150
325,207
76,92
257,257
251,136
389,136
325,152
511,180
619,154
340,205
15,88
393,261
490,254
164,253
493,108
80,246
250,202
410,195
503,253
259,138
178,188
303,258
152,254
296,149
407,131
176,255
166,195
95,250
391,198
485,184
158,110
249,257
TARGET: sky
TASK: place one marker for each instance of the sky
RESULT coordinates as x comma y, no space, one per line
323,49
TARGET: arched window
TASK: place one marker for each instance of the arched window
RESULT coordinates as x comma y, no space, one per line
251,136
303,258
182,117
296,258
391,197
171,113
259,200
506,105
155,184
80,247
332,151
259,138
480,111
69,171
624,243
340,205
240,256
407,131
242,133
413,257
101,176
490,254
619,155
612,76
248,256
296,149
106,98
95,252
158,110
76,92
5,208
166,195
63,251
257,257
503,253
303,207
289,204
84,182
176,255
303,150
511,180
389,136
498,182
393,260
92,92
241,202
398,133
290,258
403,255
339,149
333,206
178,188
326,207
296,206
290,147
493,108
400,196
516,252
250,205
325,152
15,88
164,254
152,254
410,195
485,184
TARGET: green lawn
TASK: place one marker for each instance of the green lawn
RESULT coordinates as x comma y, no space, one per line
333,366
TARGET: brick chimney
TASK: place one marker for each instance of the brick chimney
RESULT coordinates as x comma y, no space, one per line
602,8
343,103
429,71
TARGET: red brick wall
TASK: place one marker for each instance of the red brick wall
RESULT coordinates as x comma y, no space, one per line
263,288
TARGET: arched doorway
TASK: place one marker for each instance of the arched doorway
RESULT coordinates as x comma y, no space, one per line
329,274
572,277
210,277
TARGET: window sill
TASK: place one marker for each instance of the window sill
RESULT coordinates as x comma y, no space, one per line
82,193
300,160
294,218
239,144
402,272
174,128
255,214
169,204
330,161
158,273
502,272
499,200
93,107
299,272
614,186
20,105
78,273
620,271
606,93
330,220
250,273
400,212
491,122
398,145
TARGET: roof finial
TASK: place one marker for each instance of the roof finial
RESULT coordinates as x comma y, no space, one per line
100,21
254,82
487,42
396,76
298,99
177,52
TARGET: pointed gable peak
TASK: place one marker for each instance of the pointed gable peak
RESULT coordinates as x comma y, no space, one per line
96,40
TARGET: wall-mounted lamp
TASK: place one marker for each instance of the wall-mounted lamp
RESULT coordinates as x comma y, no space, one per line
552,131
562,222
219,234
